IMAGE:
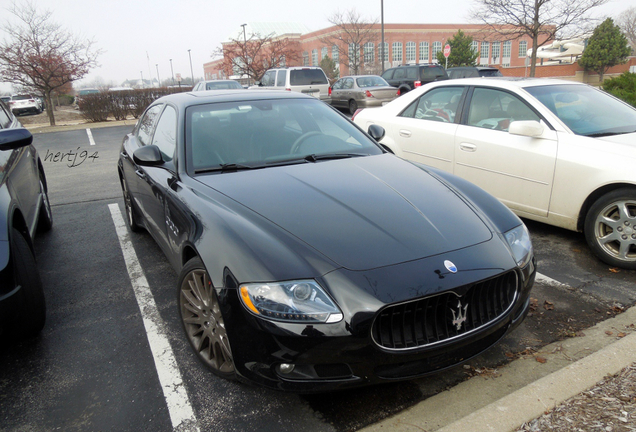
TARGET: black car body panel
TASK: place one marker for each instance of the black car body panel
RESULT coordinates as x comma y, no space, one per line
374,231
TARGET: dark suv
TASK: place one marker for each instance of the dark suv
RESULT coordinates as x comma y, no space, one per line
408,77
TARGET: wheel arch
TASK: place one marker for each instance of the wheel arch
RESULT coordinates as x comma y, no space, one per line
595,195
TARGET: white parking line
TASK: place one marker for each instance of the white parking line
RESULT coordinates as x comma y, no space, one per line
90,136
181,413
545,280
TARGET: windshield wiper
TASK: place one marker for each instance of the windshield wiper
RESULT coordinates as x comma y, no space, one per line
315,157
226,167
605,134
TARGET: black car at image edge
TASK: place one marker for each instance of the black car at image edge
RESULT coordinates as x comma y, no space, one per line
309,258
24,209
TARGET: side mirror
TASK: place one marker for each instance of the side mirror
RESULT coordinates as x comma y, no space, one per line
11,139
149,155
377,132
529,128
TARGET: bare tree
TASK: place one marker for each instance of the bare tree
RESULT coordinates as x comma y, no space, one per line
627,22
40,55
541,20
351,34
252,57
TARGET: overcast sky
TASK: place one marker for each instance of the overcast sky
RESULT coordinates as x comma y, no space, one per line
137,35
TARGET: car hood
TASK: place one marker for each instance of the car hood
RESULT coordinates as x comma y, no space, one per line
628,139
361,213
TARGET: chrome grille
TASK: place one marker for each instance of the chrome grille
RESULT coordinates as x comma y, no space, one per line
437,318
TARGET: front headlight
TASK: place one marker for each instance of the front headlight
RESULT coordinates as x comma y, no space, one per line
295,301
519,241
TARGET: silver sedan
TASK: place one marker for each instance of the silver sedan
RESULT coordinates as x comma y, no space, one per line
361,91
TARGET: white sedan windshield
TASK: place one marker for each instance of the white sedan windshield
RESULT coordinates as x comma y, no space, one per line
585,110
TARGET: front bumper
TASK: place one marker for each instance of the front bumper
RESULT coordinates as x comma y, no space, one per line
342,355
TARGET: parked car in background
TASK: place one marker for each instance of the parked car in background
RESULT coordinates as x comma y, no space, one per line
5,99
362,91
84,92
407,77
308,80
23,103
554,151
472,72
24,209
217,85
311,259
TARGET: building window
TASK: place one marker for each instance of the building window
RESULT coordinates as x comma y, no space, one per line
410,52
369,53
314,57
437,47
475,46
523,48
424,52
496,50
305,58
397,53
354,53
324,53
335,55
485,52
384,57
507,49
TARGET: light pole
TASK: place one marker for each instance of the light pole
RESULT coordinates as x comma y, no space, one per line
171,72
158,79
382,20
245,48
244,37
191,71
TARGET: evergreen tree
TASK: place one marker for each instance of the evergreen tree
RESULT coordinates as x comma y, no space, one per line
606,47
462,53
330,68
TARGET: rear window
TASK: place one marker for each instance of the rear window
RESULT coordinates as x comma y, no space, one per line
490,73
307,77
223,85
22,97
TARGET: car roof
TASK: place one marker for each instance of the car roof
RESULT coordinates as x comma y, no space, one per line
186,99
506,82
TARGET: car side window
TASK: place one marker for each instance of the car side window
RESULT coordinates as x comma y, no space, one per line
5,118
147,123
165,136
388,74
348,84
411,73
280,78
439,104
337,85
496,109
399,73
268,79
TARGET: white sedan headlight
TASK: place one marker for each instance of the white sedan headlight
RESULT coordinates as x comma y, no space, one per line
519,241
295,301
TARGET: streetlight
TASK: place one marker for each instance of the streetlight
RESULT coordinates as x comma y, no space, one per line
171,72
191,71
245,48
244,37
158,79
382,19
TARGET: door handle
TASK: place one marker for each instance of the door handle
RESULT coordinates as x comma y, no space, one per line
140,174
468,147
124,155
405,133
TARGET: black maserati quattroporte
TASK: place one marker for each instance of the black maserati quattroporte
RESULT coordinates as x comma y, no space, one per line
310,258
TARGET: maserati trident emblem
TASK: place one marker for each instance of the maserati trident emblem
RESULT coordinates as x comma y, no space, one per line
460,317
450,266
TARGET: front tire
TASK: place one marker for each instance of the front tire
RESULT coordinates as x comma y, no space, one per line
610,228
202,319
30,313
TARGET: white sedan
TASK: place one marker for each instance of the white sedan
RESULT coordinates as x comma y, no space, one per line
557,152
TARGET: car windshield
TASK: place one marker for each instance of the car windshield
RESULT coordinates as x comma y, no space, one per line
371,81
307,77
585,110
264,133
222,85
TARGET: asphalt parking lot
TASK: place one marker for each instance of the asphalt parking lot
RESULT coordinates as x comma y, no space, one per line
94,369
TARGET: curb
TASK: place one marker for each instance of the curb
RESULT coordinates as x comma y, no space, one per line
525,388
46,128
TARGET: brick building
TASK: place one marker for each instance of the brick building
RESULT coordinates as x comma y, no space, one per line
404,43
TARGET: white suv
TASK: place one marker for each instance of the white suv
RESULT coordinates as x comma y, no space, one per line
309,80
25,103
